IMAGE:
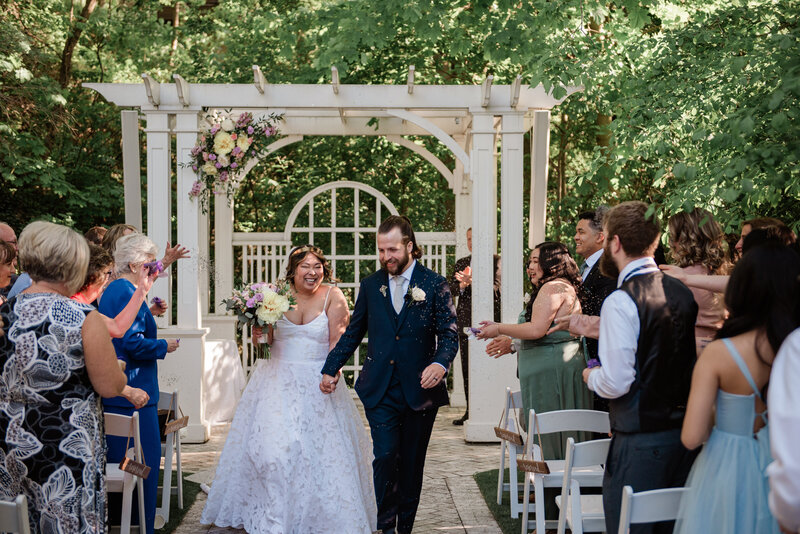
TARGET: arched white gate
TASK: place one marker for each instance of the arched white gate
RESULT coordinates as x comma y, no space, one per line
341,218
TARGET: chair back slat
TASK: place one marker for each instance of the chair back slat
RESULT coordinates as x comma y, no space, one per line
14,516
655,505
573,420
165,401
117,424
590,453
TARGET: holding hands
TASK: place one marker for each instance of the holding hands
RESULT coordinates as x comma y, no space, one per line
328,383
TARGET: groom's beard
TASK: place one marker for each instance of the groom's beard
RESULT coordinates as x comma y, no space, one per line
398,267
607,265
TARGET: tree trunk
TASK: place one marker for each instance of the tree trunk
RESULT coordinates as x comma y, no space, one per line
65,71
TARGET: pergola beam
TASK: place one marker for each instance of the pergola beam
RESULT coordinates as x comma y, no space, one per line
317,96
259,80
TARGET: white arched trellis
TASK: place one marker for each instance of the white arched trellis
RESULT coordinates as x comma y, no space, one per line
471,121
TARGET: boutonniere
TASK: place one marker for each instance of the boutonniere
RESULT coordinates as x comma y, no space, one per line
416,294
526,298
383,290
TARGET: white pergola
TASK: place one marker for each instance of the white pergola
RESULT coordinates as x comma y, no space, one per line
471,121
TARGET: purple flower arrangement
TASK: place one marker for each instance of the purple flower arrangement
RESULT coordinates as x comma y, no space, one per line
227,142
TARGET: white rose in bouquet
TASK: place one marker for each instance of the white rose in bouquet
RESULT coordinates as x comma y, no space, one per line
272,307
209,168
228,125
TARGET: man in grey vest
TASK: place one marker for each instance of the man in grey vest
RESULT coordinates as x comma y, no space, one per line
647,354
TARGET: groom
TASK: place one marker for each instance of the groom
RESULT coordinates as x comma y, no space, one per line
407,312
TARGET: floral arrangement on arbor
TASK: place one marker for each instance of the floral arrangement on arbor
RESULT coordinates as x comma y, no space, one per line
227,142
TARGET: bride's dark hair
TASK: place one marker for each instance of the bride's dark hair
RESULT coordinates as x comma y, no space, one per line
298,254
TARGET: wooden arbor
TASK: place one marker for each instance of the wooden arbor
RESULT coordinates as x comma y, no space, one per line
471,121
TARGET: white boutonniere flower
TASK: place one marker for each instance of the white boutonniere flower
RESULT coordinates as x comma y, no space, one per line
383,290
526,298
417,294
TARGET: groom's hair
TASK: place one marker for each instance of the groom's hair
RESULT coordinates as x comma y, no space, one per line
402,223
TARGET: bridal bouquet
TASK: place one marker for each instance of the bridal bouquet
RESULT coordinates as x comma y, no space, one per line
260,304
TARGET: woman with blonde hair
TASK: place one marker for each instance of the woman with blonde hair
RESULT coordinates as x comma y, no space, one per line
55,361
696,240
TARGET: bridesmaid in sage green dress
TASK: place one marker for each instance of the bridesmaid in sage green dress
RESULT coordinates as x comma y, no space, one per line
549,365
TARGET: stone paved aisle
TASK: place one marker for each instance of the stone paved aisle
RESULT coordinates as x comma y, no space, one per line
450,502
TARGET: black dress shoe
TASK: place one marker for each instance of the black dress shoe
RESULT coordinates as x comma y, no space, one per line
388,531
460,422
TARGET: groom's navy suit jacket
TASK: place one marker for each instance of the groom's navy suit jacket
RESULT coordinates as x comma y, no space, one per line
423,333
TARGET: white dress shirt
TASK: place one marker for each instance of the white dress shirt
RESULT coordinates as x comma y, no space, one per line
784,434
619,337
590,261
405,277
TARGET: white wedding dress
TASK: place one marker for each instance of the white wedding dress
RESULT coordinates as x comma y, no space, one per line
295,460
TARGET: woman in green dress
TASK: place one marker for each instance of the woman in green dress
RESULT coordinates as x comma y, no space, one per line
549,365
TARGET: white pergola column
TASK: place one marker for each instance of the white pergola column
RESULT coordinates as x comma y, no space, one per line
131,172
159,198
511,192
540,154
463,199
491,377
184,369
222,325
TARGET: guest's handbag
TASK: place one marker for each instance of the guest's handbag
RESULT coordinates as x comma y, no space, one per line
129,465
176,424
506,434
529,465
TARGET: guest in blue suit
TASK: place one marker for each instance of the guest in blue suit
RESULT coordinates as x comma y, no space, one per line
140,350
408,314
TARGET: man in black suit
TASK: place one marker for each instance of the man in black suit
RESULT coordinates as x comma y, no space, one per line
589,242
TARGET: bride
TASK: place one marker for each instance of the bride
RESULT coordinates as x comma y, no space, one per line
297,460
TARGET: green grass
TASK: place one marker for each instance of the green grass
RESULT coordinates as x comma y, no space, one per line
487,482
190,491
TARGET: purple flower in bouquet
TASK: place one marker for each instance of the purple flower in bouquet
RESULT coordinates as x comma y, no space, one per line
269,131
251,302
223,176
259,297
212,157
250,130
218,165
194,168
234,165
215,129
236,151
257,286
197,188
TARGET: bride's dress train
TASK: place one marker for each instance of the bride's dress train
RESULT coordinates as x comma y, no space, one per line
295,460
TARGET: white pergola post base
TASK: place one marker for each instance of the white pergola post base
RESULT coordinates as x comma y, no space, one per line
462,118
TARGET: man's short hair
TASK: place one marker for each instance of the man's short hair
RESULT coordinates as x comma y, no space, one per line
637,233
402,223
595,218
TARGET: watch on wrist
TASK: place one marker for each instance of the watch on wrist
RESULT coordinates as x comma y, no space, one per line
513,347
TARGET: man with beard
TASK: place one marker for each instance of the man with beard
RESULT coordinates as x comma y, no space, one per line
407,313
647,352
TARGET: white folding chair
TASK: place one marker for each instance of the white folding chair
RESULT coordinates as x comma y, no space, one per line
509,422
171,447
590,476
119,481
581,513
649,506
14,516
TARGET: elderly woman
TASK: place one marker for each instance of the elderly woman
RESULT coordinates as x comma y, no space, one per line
55,360
140,350
8,255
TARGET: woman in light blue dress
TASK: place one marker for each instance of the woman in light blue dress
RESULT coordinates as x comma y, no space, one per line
728,486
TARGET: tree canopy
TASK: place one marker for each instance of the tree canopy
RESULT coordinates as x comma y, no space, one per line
686,103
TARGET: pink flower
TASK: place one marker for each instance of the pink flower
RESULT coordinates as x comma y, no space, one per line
196,150
205,156
197,187
223,176
215,128
234,136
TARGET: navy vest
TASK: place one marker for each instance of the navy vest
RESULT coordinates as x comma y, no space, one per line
665,356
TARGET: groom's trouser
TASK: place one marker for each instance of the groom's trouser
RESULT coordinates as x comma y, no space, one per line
644,461
400,438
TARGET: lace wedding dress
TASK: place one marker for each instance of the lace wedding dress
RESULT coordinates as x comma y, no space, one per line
296,460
